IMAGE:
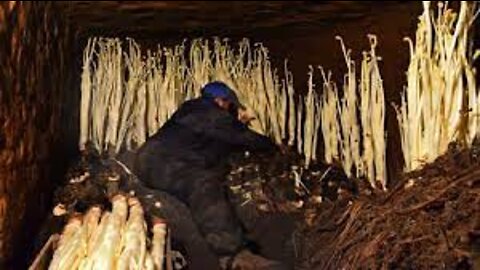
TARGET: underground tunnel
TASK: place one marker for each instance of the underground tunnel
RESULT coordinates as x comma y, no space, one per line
374,136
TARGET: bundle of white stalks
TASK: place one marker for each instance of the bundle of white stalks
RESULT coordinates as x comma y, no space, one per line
127,95
350,143
440,104
111,240
288,82
372,113
134,69
312,121
329,118
86,90
353,126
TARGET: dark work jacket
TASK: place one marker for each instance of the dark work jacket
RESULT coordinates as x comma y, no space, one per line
193,146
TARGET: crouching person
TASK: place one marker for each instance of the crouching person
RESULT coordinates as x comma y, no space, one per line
187,158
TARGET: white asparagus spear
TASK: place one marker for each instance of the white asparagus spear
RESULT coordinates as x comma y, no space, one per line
158,243
71,245
149,264
134,239
73,225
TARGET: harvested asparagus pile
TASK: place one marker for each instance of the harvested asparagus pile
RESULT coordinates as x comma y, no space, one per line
111,240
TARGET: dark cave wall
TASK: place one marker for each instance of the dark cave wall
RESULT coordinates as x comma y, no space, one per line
37,118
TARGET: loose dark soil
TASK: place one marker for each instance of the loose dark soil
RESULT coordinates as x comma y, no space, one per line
316,218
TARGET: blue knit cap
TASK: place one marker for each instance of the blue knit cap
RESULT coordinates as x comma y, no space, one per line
221,90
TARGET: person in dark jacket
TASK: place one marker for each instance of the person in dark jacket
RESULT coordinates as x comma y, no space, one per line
188,156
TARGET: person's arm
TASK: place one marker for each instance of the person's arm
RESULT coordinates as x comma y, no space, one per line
230,130
223,126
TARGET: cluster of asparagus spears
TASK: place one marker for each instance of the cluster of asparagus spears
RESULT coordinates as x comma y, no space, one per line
116,239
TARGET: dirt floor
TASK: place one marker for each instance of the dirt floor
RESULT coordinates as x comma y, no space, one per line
318,219
429,220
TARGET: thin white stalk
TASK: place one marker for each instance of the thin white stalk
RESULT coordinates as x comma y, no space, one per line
86,92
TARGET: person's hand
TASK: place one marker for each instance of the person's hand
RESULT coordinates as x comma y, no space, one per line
245,116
